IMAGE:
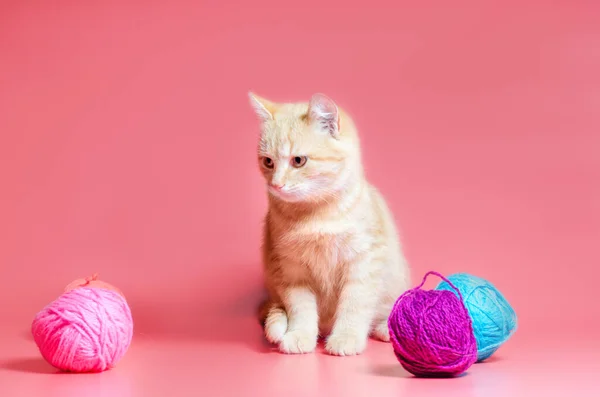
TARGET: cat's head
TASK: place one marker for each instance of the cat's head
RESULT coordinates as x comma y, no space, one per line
307,152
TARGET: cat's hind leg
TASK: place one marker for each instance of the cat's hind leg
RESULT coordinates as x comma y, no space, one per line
380,330
275,321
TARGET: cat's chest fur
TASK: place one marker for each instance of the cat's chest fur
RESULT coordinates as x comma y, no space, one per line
319,250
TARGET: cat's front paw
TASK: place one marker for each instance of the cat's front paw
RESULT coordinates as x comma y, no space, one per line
298,342
345,344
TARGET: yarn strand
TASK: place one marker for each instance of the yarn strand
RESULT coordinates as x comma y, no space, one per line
432,273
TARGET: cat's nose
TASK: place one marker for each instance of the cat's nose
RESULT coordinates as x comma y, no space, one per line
277,186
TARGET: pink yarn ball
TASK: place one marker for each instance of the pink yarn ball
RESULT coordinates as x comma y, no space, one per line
431,332
85,330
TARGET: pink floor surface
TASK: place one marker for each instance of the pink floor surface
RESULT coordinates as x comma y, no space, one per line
530,365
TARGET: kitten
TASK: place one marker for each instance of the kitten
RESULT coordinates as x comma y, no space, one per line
333,262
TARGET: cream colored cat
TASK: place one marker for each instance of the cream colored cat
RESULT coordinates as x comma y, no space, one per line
333,262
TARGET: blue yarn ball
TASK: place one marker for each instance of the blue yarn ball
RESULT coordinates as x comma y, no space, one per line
494,320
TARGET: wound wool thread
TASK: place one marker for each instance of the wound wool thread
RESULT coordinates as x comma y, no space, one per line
431,332
494,320
86,329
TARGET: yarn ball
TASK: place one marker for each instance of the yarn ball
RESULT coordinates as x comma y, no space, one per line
86,329
431,332
494,320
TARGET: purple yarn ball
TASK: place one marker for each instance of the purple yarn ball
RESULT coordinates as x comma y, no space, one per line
431,332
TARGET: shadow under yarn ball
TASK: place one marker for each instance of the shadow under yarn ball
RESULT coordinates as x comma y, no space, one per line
494,320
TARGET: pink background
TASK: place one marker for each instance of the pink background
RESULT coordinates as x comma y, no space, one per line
127,148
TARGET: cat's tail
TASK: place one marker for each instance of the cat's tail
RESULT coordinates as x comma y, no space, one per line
274,319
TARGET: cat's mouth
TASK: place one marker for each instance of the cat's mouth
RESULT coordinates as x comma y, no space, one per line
285,194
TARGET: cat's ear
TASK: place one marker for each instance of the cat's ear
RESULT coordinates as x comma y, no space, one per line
263,108
324,114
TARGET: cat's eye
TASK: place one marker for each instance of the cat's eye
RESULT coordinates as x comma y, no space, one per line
299,161
268,162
